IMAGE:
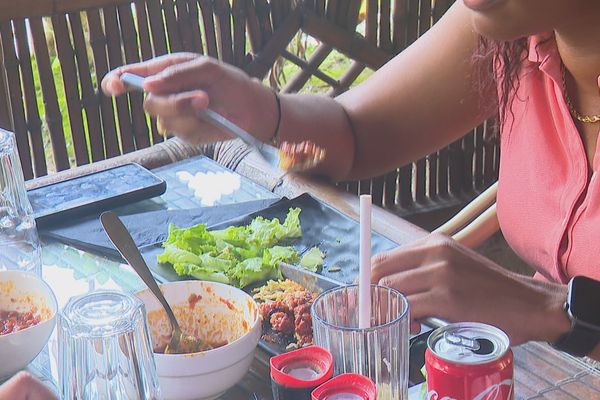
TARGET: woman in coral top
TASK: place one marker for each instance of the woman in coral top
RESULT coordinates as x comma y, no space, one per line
536,63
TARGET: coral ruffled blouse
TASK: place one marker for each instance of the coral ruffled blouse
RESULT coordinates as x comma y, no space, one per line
548,202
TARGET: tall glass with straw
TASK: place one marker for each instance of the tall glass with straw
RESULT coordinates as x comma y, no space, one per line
365,326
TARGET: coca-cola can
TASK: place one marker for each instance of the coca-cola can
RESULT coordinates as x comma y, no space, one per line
469,361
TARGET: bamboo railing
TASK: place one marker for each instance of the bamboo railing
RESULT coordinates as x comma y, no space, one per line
54,53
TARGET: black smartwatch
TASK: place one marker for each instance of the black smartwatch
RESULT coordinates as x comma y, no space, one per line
583,308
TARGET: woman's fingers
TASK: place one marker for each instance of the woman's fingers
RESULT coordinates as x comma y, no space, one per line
419,286
178,87
158,64
415,327
424,305
412,281
112,85
394,261
425,251
179,114
191,129
199,73
176,105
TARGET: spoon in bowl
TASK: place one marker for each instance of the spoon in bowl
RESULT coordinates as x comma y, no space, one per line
119,235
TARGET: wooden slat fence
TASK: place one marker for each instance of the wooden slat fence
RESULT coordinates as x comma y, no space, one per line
55,52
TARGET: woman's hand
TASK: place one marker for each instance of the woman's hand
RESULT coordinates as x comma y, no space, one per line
180,85
24,386
444,279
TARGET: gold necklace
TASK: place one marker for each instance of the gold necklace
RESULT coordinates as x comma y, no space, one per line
588,119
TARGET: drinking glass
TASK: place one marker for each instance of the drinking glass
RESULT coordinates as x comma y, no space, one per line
104,349
379,352
19,239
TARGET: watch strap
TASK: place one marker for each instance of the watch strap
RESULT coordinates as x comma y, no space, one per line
579,341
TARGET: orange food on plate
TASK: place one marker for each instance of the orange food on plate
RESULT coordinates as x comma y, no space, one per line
300,156
285,311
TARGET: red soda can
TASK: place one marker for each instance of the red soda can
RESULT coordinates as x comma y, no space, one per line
469,361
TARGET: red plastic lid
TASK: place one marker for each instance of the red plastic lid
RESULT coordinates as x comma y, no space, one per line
349,384
317,360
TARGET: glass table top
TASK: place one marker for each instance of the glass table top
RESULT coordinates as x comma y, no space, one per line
192,183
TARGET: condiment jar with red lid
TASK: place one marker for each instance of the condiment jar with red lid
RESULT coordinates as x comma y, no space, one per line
296,374
346,387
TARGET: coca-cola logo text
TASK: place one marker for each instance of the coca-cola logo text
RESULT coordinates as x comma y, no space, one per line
493,392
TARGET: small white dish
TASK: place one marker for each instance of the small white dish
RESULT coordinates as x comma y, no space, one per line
211,311
23,291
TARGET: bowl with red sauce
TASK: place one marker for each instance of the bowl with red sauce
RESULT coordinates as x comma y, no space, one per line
224,317
27,317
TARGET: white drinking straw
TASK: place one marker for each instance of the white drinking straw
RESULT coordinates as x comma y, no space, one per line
364,277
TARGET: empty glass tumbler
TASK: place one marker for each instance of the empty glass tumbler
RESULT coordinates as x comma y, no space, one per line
379,352
104,349
19,240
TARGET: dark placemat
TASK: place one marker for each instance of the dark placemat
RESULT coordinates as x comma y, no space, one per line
336,234
147,228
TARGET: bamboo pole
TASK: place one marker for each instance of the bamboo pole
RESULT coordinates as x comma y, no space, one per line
206,6
18,113
53,116
34,123
98,43
89,96
225,44
239,32
68,69
115,59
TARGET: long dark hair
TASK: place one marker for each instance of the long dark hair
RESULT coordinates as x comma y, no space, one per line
498,64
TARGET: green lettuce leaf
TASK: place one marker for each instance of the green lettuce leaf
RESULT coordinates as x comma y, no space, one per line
215,263
175,255
292,224
239,255
234,235
312,260
268,232
201,273
253,270
276,254
195,239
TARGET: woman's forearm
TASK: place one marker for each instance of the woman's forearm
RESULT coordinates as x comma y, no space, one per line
553,322
323,121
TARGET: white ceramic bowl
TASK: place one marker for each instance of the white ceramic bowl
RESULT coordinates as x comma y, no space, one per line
24,291
219,313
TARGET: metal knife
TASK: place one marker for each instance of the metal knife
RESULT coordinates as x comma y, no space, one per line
315,283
